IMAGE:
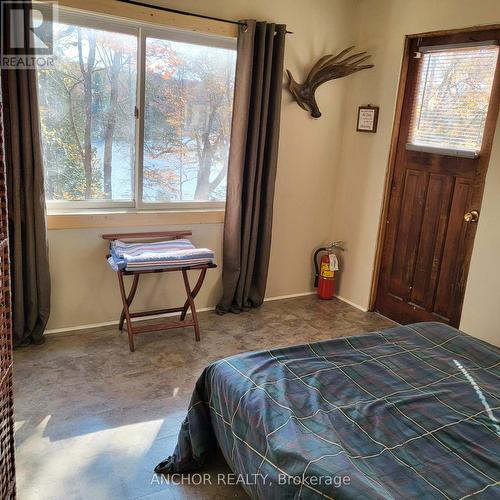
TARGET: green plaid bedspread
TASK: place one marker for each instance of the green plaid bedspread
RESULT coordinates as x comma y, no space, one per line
409,412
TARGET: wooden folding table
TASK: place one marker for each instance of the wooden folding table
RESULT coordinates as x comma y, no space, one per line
127,299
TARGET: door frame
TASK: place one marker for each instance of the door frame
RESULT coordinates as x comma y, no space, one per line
391,164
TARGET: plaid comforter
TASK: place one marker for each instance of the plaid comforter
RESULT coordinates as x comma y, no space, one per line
409,412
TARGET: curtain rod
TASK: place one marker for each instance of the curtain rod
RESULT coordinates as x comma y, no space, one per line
184,13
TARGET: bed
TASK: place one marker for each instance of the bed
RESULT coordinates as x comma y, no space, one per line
408,412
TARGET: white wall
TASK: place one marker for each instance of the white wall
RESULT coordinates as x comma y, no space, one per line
84,290
359,186
481,311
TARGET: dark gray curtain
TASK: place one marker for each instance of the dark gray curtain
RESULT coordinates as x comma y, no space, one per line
26,203
252,165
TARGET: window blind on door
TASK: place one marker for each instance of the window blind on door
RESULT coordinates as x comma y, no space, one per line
452,97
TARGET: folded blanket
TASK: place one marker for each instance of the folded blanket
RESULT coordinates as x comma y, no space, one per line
157,255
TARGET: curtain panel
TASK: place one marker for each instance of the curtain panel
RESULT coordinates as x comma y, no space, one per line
252,165
26,198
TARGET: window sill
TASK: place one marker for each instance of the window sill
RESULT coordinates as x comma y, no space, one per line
130,218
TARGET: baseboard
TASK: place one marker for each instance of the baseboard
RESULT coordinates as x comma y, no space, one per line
114,323
357,306
293,295
103,324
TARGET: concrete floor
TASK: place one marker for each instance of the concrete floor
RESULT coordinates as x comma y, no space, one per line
93,419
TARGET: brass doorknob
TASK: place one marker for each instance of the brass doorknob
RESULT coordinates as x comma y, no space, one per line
472,216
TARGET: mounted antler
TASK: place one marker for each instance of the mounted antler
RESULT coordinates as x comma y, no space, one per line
327,68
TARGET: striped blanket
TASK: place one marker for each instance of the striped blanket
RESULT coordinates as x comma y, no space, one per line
409,412
157,255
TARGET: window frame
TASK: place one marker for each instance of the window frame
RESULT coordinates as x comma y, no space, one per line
442,150
141,30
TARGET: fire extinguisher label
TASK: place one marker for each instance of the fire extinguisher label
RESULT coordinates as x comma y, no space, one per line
325,270
334,263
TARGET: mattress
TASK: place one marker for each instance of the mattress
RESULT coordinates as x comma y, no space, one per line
408,412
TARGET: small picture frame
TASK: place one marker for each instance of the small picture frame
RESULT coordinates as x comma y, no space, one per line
367,119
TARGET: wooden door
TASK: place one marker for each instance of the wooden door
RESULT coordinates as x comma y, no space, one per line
438,177
7,477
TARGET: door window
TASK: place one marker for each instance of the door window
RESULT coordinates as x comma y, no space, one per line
452,96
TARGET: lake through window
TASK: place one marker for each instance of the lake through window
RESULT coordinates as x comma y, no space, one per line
452,98
135,117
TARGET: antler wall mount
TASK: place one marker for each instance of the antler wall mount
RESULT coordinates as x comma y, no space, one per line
327,68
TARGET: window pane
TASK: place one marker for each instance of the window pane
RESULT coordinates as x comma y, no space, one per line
87,115
187,121
452,98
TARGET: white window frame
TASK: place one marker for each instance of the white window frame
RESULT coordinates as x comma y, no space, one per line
428,148
142,31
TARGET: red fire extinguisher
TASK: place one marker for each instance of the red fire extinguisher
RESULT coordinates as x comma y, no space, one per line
324,278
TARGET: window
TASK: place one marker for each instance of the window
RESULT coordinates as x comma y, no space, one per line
453,93
187,121
135,117
87,115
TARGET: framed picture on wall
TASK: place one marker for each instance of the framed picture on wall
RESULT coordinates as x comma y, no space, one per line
367,119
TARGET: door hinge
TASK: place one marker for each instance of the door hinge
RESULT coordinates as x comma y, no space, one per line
136,112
